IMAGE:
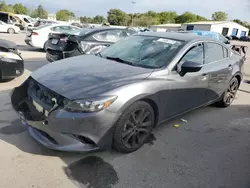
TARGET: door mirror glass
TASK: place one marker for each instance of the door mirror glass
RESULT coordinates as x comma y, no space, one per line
190,66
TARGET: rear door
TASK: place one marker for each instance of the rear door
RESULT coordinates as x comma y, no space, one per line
218,64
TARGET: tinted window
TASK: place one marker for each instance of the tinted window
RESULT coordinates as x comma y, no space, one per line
195,54
213,52
222,38
145,51
109,36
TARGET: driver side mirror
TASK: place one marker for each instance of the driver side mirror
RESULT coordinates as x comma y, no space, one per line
190,66
227,42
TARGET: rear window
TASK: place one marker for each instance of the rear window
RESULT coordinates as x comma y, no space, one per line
41,27
81,32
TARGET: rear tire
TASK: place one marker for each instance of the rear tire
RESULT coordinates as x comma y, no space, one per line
134,127
11,31
229,94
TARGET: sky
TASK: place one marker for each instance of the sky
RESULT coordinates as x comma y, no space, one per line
236,9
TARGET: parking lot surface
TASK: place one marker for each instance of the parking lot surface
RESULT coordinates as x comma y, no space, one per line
210,150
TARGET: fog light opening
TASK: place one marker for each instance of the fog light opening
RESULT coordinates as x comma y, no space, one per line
84,140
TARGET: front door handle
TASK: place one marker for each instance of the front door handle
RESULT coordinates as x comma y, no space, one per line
230,67
204,77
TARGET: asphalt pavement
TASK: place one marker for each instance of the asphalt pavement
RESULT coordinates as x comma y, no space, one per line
210,150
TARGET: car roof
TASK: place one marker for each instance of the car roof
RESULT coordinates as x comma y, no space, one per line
187,37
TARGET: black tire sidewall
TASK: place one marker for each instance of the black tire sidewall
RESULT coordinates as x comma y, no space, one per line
222,103
117,139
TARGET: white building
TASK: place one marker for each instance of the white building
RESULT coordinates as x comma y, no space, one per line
52,17
166,27
223,27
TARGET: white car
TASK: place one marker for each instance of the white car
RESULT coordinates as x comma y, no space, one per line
38,36
8,28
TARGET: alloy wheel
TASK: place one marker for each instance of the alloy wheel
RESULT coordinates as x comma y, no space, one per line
231,91
137,128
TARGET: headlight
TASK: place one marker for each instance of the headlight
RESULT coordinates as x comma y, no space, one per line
9,57
90,105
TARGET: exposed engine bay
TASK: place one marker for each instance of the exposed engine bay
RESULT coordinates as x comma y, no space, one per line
36,102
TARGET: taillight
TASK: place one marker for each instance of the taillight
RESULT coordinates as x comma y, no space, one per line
34,33
64,39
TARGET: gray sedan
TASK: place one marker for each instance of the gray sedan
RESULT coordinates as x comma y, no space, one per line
116,98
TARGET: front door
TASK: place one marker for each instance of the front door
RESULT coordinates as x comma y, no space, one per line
189,91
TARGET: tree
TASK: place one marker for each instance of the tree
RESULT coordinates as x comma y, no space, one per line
219,16
41,12
20,9
117,17
167,17
98,19
86,19
189,17
6,8
64,15
145,21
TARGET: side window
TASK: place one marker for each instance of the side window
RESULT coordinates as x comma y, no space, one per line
195,54
225,52
109,36
213,52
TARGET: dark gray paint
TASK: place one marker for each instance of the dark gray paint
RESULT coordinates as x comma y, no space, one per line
91,76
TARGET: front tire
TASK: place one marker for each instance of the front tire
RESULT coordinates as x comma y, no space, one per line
229,94
134,127
11,31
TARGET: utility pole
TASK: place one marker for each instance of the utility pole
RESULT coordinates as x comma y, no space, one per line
133,2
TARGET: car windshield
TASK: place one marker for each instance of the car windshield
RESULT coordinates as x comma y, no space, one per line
143,51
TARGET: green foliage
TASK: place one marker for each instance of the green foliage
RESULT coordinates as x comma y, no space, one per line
118,17
40,12
20,9
98,19
64,15
219,16
85,19
6,8
189,17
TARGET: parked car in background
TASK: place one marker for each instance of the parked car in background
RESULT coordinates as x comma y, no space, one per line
10,18
84,41
8,28
245,39
234,37
77,25
44,22
11,62
211,34
37,37
28,21
116,98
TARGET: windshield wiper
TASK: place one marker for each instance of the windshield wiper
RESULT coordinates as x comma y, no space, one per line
120,60
98,54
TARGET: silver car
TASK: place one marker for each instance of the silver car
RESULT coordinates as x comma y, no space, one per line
116,98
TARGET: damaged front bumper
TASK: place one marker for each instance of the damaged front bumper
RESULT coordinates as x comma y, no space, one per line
42,110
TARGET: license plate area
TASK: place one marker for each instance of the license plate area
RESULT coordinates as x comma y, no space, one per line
54,41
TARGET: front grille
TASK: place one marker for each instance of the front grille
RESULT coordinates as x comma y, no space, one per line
44,95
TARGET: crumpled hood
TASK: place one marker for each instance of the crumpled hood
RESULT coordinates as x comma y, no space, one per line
72,77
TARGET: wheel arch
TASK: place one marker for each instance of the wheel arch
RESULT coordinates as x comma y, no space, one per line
239,77
146,98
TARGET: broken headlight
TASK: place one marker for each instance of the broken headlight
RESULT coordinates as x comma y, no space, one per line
90,105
